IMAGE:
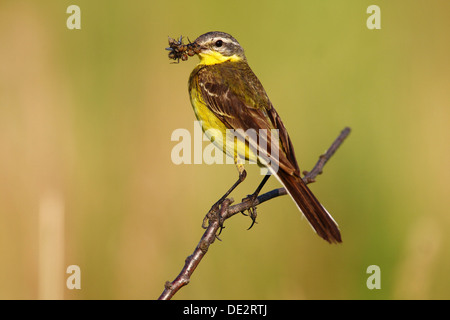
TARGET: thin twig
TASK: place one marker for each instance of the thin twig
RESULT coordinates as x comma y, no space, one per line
227,211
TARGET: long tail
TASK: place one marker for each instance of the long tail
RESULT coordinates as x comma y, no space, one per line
318,217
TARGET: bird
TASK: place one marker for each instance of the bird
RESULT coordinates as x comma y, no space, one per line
226,97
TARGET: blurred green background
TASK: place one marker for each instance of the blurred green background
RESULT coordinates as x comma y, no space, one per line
86,118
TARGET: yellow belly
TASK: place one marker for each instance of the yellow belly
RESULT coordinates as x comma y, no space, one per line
216,131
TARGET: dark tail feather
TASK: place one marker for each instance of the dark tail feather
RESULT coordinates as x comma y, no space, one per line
318,217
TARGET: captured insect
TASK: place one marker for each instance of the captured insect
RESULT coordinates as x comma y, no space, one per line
179,50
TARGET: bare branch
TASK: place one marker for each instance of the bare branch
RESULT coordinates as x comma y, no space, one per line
227,211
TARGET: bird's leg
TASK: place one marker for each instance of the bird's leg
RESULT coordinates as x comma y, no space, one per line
215,208
252,197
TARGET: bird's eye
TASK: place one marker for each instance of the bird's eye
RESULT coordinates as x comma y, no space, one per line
219,43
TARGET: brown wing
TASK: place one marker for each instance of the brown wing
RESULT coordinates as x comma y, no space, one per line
235,95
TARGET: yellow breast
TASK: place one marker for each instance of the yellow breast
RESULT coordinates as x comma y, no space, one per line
216,131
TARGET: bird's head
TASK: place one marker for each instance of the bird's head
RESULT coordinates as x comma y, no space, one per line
217,47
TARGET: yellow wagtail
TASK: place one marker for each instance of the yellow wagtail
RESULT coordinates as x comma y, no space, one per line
227,95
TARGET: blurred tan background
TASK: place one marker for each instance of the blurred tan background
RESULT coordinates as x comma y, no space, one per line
86,176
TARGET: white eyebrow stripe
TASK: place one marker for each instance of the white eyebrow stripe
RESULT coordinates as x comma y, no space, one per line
227,40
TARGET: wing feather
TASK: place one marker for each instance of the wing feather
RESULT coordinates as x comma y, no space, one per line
236,96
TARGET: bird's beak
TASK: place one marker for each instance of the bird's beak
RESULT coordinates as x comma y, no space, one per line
201,48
